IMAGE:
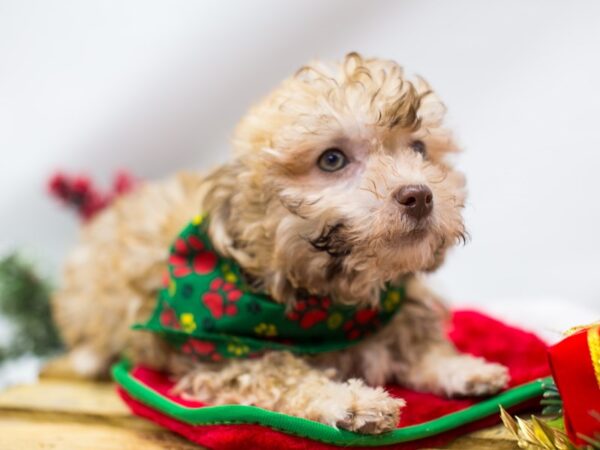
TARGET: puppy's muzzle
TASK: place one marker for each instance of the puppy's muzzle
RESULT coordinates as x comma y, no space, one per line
416,200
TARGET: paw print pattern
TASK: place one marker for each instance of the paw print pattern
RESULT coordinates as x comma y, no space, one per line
266,329
392,300
168,318
364,322
221,298
189,256
228,273
253,307
310,311
335,320
201,349
238,349
207,307
166,279
188,322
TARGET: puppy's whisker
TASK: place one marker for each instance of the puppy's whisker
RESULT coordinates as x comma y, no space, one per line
371,191
374,189
395,170
462,237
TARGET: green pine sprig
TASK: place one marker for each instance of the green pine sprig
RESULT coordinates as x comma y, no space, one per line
25,302
551,401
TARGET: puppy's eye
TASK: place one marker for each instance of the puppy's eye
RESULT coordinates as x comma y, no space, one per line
332,159
419,147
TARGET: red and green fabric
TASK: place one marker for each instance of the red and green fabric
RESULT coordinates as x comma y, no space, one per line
427,420
207,310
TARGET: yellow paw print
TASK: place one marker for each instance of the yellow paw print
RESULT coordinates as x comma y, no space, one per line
266,329
391,301
334,321
197,220
188,324
237,348
228,274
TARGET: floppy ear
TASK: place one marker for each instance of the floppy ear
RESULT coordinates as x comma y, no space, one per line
431,109
241,221
219,188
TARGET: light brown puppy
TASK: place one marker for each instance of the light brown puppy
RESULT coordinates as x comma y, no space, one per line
340,183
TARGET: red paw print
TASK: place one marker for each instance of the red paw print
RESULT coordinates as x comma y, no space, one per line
166,280
221,298
203,349
168,318
364,322
190,256
309,312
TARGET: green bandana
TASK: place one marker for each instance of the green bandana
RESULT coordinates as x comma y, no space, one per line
207,311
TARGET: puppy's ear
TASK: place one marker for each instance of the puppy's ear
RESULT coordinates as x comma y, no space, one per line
255,130
219,189
431,110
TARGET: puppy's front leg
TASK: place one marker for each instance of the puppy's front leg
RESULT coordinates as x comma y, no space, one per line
282,382
441,369
429,362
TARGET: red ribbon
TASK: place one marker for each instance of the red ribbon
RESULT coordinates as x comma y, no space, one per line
574,363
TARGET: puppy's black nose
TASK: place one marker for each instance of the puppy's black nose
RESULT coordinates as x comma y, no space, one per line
417,200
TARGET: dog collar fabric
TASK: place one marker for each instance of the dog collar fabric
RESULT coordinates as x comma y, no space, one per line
208,312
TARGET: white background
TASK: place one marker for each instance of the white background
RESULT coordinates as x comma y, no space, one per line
157,86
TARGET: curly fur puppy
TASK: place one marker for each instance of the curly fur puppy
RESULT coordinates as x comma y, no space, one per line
340,183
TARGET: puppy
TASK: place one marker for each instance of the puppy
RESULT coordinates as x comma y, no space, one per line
340,185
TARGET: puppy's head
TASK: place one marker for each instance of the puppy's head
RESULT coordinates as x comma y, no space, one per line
340,183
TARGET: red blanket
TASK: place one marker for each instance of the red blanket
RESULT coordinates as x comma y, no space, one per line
523,353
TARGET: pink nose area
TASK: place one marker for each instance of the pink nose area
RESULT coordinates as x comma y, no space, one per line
416,200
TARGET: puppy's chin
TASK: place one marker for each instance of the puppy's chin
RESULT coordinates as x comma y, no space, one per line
417,248
414,234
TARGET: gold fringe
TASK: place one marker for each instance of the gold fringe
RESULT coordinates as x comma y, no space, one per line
578,328
535,434
593,338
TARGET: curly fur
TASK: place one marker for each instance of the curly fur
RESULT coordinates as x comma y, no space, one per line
293,227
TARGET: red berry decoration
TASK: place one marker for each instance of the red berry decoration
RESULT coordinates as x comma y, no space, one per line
79,192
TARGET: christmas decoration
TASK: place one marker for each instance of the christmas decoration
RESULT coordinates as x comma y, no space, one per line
24,296
80,193
536,433
547,434
24,301
575,363
571,400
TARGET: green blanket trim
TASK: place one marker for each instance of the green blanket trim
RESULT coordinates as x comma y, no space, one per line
242,414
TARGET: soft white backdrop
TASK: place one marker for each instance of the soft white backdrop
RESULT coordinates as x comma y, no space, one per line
155,86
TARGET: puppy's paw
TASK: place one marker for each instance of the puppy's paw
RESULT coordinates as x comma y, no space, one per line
356,407
468,376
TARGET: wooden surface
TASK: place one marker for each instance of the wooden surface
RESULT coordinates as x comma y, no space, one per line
66,414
